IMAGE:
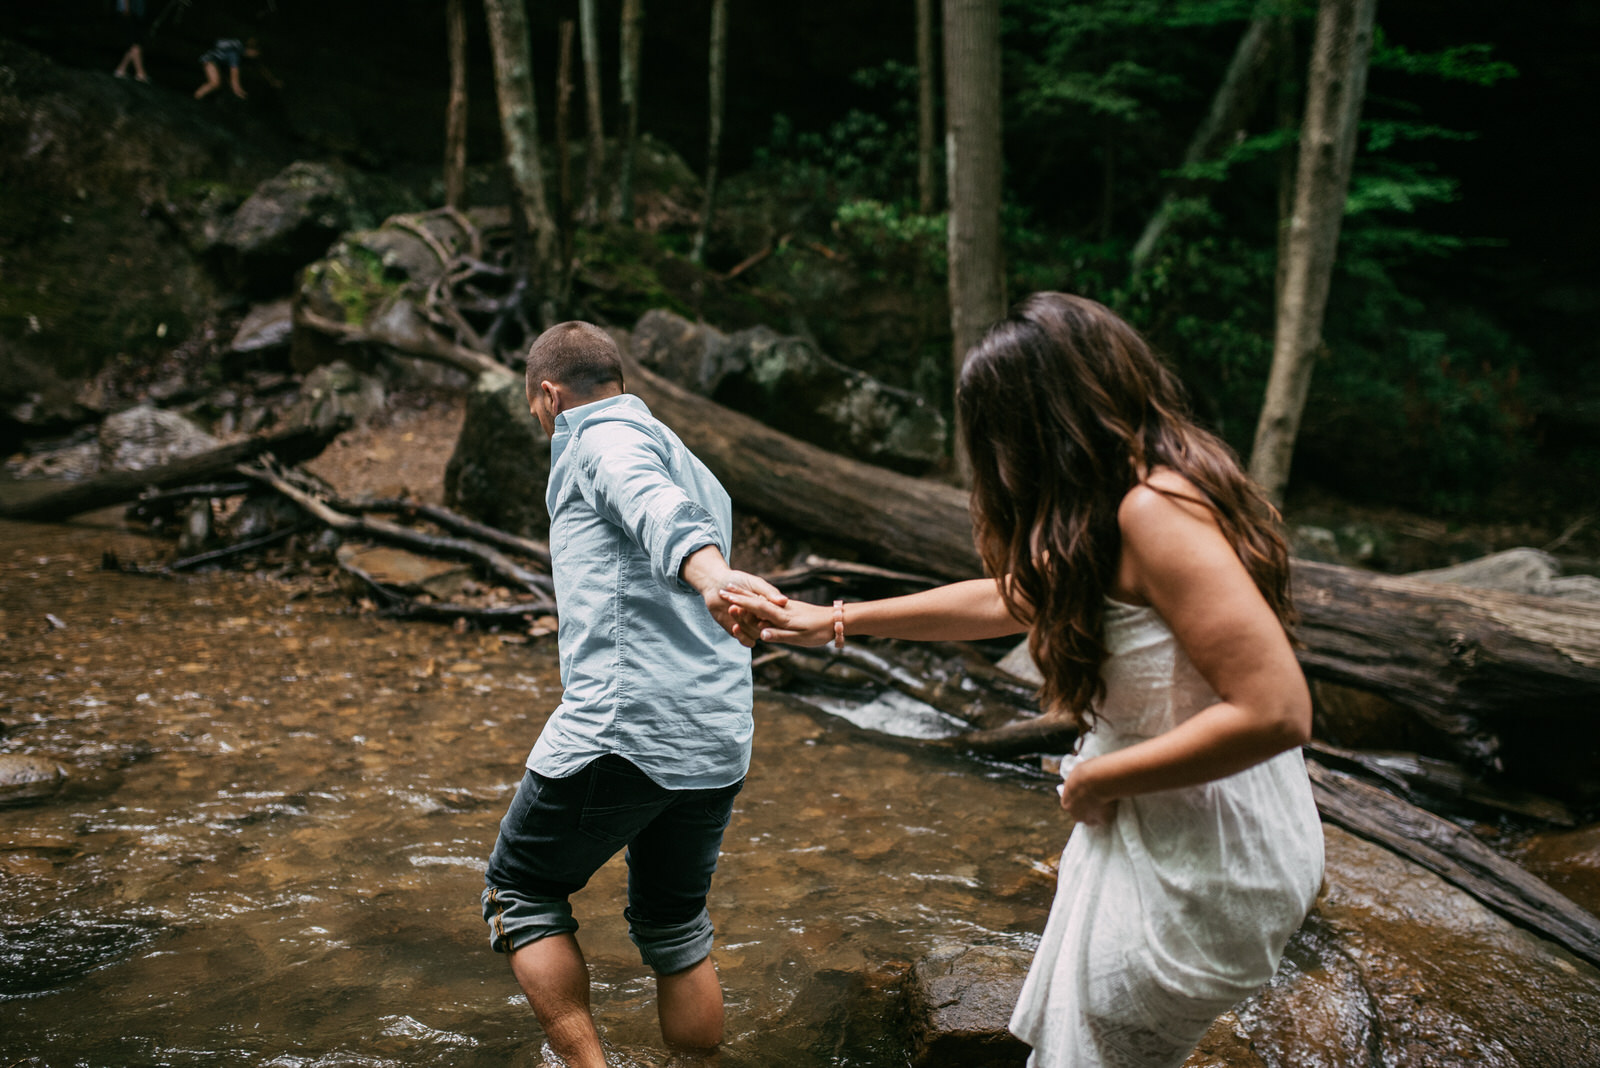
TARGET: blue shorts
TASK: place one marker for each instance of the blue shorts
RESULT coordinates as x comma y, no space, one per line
558,832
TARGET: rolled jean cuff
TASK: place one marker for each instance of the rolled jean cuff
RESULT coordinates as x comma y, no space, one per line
516,919
671,948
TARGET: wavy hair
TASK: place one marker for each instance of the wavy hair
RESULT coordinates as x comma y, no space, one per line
1062,405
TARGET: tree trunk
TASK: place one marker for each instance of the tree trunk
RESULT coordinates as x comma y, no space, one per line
628,94
1254,62
1337,82
972,163
926,175
1288,101
519,119
594,162
718,76
455,116
564,220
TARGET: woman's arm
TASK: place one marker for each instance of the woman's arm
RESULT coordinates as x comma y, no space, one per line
1175,558
961,611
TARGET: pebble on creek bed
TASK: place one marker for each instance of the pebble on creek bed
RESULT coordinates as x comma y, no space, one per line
28,778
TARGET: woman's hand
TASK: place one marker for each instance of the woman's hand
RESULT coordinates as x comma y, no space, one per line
1080,800
790,623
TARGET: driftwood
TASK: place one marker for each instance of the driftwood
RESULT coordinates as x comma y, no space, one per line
116,487
1457,857
1467,660
456,548
1431,783
456,523
397,604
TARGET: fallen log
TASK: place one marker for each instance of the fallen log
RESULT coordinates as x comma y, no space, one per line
1469,661
1421,780
116,487
1455,856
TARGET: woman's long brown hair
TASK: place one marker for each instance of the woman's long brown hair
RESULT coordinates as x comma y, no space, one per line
1062,405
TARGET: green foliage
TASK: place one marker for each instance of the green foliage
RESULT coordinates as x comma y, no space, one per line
868,154
891,243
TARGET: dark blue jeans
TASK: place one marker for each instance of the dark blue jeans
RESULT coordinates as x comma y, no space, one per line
558,832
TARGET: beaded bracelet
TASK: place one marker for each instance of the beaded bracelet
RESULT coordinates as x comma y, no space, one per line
838,625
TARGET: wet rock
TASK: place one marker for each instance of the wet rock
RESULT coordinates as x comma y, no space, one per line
266,328
785,382
1521,570
1397,968
29,778
145,437
410,572
67,944
501,462
67,464
291,219
198,527
961,998
337,393
378,273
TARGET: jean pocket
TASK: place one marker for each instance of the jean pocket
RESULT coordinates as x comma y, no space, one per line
621,801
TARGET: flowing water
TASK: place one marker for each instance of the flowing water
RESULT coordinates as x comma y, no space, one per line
271,848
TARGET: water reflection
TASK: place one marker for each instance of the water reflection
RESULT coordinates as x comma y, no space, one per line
271,848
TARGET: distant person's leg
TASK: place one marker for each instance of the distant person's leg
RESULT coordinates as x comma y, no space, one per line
213,81
234,83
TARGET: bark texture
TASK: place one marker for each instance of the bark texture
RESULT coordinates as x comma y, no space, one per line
973,166
594,158
926,176
717,79
519,118
628,93
1336,85
455,116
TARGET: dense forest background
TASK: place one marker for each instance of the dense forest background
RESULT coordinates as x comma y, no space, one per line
1462,374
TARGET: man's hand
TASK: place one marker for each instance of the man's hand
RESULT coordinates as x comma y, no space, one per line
707,571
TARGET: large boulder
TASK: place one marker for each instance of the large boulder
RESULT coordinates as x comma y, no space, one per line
1394,968
1398,968
501,462
291,219
785,382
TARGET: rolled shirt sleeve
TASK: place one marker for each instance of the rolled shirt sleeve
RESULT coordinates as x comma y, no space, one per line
634,490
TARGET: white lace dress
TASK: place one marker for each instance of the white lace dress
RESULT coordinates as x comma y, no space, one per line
1179,906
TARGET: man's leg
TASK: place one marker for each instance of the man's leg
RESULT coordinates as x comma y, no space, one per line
689,1004
670,865
553,975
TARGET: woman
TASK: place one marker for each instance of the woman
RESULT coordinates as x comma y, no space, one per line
1153,586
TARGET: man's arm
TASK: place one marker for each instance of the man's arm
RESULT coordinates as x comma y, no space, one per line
707,571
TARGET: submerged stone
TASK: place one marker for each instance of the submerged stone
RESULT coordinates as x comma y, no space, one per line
961,999
28,778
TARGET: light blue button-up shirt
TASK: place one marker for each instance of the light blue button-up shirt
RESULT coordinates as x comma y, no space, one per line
647,673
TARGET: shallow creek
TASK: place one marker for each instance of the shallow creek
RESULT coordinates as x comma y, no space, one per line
271,849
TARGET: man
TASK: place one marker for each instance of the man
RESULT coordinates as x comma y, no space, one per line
651,741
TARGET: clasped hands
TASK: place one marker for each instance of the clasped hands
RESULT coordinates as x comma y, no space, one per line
758,612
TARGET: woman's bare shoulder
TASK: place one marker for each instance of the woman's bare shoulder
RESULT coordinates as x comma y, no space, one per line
1164,497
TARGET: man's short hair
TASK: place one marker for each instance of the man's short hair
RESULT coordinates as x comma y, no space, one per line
577,355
